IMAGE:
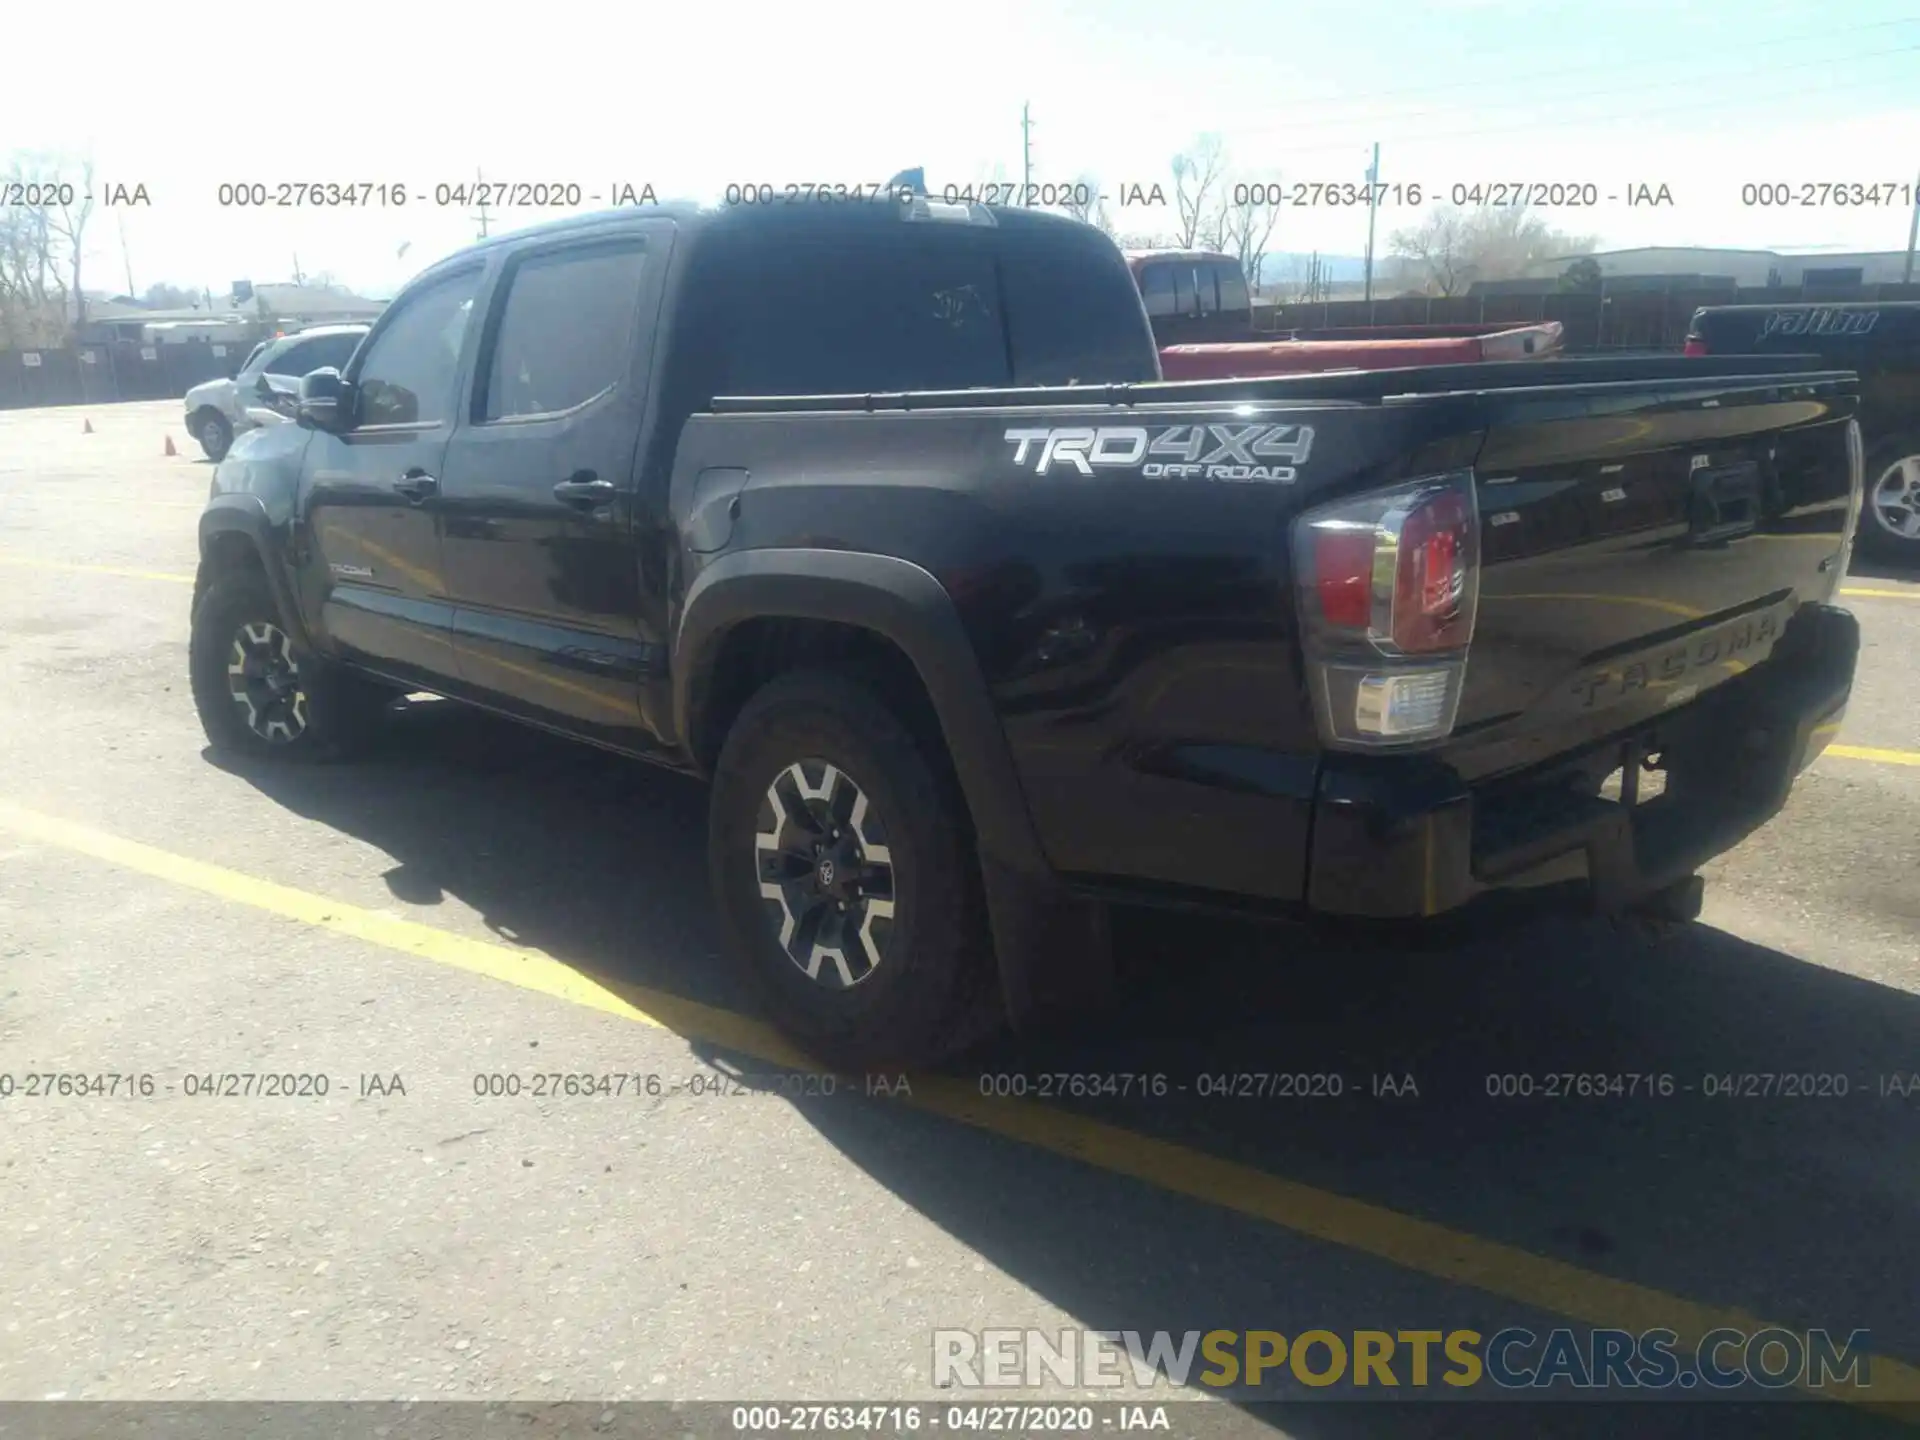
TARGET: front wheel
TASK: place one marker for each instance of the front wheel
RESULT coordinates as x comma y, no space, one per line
257,694
214,432
845,879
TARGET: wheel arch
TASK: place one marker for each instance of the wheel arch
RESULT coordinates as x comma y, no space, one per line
236,534
905,609
1051,948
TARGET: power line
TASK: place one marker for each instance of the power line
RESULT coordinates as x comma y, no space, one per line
1718,49
1851,82
1373,120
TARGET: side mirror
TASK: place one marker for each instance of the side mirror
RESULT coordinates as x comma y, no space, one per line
263,386
325,402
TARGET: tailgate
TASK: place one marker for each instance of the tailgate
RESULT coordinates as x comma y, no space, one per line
1642,542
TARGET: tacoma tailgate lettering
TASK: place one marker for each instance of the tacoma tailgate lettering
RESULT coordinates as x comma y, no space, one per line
1713,648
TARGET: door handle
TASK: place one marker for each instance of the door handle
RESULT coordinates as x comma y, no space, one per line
416,485
585,489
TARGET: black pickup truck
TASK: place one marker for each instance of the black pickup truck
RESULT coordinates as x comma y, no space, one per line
878,516
1880,342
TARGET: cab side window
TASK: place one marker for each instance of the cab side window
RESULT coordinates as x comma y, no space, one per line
1233,289
1207,291
566,334
413,365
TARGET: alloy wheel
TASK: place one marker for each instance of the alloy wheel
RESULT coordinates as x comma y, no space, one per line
1895,498
825,873
264,681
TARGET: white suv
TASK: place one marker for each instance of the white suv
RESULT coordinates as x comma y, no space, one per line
217,409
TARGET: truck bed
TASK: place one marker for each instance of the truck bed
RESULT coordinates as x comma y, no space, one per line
1649,529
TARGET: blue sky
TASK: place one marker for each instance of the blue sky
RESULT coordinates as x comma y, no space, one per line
1700,97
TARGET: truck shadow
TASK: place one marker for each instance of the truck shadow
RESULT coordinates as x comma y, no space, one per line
1780,1208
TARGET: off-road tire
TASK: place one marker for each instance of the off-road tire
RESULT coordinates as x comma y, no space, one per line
329,712
930,994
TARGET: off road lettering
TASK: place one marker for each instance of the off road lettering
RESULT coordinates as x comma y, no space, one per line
1200,452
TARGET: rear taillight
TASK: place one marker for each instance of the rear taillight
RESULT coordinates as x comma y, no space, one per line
1388,586
1695,346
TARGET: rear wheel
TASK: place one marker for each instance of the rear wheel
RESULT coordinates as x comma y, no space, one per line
214,432
846,879
257,694
1890,509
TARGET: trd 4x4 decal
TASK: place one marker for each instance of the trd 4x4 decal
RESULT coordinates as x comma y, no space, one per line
1190,452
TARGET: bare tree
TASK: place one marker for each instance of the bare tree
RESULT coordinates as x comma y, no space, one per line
33,291
162,296
69,223
1082,199
1086,204
1438,246
1196,174
1306,279
1507,242
1452,248
1244,223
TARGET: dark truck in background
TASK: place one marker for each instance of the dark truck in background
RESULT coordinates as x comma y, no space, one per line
1880,342
878,517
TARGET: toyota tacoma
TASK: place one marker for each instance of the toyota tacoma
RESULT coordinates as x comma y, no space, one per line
878,516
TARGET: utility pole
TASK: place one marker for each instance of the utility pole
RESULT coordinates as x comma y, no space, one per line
298,278
482,216
1373,206
1913,233
1026,153
125,258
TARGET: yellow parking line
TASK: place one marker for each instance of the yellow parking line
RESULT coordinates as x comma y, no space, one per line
35,564
1419,1245
1868,752
1881,594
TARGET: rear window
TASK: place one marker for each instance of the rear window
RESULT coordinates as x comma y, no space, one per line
825,314
1156,289
1073,314
1233,289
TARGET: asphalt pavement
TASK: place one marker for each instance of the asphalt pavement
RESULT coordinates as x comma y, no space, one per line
408,942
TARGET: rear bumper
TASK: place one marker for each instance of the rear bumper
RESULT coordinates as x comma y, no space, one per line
1405,837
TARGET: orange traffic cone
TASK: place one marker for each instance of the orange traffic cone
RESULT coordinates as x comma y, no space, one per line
170,449
86,427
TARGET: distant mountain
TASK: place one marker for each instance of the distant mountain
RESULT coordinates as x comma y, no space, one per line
1281,265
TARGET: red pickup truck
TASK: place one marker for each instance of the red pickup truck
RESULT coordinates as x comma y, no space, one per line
1201,309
